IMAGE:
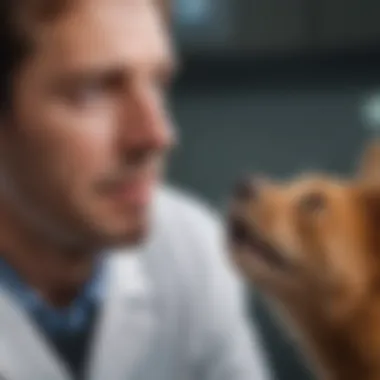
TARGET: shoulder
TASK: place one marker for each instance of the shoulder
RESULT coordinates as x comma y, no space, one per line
176,206
195,242
189,232
192,233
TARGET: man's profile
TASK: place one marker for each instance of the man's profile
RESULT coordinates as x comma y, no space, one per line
104,272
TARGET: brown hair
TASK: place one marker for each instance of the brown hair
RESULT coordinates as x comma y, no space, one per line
17,20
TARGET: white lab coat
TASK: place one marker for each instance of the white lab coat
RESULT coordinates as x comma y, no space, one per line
173,311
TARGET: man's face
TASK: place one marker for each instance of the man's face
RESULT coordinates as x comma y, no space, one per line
84,147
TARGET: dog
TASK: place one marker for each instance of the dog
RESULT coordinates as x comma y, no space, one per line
312,246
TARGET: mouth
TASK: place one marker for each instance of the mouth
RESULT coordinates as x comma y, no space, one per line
240,235
134,190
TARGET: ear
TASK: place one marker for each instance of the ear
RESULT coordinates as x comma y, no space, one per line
369,164
369,199
369,196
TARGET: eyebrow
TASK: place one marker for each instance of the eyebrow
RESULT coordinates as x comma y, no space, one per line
104,72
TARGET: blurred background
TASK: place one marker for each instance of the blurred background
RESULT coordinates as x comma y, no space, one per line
275,87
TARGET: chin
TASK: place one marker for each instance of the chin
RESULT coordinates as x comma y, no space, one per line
133,235
120,228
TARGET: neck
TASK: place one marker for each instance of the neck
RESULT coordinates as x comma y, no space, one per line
344,350
54,270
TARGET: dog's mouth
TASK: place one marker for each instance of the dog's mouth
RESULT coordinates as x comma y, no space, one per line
240,235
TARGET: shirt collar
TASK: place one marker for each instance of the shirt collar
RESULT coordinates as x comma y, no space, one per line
92,291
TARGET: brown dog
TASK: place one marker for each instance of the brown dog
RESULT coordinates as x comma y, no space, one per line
312,245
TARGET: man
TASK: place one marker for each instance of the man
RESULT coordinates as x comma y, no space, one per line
83,141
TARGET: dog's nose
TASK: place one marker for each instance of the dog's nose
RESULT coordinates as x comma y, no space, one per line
245,190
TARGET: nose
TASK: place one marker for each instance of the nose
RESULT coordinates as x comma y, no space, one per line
246,189
148,123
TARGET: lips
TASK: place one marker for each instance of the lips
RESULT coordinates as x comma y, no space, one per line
137,192
241,235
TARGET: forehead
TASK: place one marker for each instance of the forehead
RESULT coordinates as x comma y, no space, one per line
316,184
100,32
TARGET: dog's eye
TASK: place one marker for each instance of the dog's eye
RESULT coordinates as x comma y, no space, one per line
313,202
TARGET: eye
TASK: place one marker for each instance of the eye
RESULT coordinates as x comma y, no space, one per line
312,203
89,91
83,94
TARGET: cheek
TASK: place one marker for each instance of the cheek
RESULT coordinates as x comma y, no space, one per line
285,234
72,146
345,269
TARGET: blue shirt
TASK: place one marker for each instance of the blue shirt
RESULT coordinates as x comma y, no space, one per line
67,329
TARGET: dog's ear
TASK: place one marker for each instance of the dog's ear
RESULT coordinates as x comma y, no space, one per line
369,198
369,164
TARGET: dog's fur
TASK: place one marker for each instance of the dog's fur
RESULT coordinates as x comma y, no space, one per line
312,245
